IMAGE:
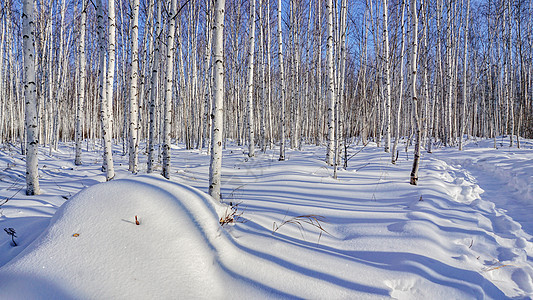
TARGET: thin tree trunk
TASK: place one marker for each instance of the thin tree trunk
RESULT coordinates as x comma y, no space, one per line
283,91
387,58
414,49
465,69
168,89
207,79
81,89
102,90
30,95
263,78
400,87
153,90
331,87
218,101
250,83
134,91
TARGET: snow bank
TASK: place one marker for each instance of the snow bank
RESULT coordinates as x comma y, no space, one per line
94,249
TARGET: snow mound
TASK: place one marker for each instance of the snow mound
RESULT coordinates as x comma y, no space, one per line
169,255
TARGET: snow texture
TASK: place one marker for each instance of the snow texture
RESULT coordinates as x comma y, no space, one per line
464,232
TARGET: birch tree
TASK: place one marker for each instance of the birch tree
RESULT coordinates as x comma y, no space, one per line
134,93
110,79
168,89
103,94
218,101
386,57
413,63
282,91
153,90
330,155
250,84
30,95
82,62
465,69
208,78
400,87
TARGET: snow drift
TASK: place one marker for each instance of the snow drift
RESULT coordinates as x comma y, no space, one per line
464,232
93,246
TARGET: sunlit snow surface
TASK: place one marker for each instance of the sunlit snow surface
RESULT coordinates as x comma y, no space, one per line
464,233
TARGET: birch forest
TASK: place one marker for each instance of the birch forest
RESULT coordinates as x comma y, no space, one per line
148,74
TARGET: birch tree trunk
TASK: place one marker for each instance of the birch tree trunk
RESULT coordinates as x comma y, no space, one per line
168,89
449,80
102,95
58,89
134,93
108,114
418,133
263,78
30,95
341,78
269,77
283,91
465,69
218,101
331,87
81,90
250,84
509,66
208,79
400,87
153,90
386,56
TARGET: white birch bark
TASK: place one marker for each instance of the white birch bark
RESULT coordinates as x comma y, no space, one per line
282,81
103,94
108,121
81,90
318,68
250,83
269,78
465,69
58,89
134,92
218,101
168,89
341,78
387,59
263,78
331,87
509,66
449,68
207,79
400,86
30,95
413,63
153,90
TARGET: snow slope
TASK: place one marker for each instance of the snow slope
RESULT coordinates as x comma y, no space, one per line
463,233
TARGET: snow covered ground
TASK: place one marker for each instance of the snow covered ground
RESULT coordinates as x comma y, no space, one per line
466,232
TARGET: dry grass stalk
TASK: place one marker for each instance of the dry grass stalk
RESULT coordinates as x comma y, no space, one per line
299,221
495,266
231,215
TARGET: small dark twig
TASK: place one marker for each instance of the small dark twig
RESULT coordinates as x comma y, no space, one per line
11,232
